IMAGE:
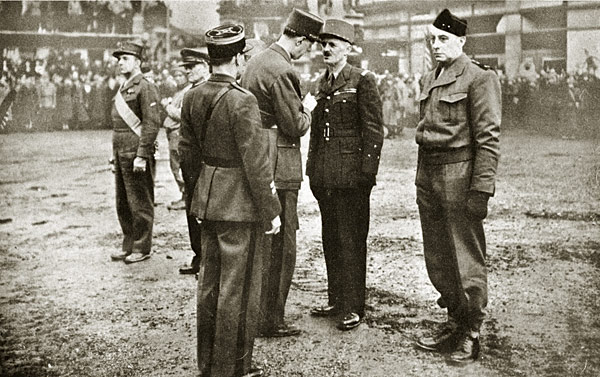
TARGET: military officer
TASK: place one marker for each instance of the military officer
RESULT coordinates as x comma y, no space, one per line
343,158
195,62
271,77
234,199
458,138
136,120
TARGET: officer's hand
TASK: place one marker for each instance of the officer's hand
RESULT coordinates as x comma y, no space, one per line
309,102
477,202
366,179
139,165
113,167
275,226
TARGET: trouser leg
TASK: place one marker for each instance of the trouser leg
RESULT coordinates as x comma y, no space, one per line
193,226
173,137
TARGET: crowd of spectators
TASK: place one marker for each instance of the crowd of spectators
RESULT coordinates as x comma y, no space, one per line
66,91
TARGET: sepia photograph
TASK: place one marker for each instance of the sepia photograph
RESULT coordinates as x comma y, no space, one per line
300,188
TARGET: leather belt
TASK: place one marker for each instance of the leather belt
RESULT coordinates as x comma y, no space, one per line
438,156
332,132
221,162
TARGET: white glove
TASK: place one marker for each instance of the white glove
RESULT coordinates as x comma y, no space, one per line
275,226
309,102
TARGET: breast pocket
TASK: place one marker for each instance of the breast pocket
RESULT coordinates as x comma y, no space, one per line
346,109
453,107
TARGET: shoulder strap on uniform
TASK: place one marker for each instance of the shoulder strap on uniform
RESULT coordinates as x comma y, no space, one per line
365,72
240,88
212,106
485,67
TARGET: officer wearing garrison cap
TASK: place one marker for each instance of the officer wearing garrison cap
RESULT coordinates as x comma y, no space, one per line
343,158
234,200
271,77
195,63
136,119
458,137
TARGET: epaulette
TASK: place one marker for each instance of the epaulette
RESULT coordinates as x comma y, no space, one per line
239,87
365,72
485,67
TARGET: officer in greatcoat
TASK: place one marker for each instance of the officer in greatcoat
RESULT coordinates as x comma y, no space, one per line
343,159
271,77
195,63
136,120
234,200
458,137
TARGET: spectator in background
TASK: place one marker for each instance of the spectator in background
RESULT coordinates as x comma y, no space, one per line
46,93
64,102
80,114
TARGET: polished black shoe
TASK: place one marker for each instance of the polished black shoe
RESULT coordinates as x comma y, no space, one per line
350,321
120,256
324,311
466,351
136,257
189,269
255,372
281,331
443,340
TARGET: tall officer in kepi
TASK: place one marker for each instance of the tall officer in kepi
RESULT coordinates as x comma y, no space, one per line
234,199
458,137
136,120
343,159
195,62
271,77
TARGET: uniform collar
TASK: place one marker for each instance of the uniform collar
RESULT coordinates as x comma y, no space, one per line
340,79
449,75
281,51
133,80
221,77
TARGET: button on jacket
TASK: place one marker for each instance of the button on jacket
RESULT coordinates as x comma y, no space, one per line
347,130
462,108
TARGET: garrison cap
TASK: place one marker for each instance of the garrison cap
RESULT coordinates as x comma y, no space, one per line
134,48
304,24
340,29
448,22
225,41
193,56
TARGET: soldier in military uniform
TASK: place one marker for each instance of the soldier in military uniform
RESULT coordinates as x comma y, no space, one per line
458,138
234,199
136,120
271,77
343,159
195,62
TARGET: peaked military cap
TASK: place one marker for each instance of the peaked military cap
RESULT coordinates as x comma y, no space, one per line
448,22
192,56
135,48
304,24
339,29
225,41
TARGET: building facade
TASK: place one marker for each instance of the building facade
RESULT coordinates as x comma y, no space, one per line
504,34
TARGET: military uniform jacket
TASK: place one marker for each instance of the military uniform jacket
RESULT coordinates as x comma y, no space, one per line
463,108
143,99
347,130
235,181
272,79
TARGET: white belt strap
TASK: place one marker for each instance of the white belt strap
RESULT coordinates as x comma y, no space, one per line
127,114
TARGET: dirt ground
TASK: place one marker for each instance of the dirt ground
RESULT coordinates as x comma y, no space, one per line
67,310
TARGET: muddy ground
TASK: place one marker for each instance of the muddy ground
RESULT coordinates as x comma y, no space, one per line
67,310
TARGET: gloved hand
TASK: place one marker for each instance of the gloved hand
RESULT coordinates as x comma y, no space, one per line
477,202
366,179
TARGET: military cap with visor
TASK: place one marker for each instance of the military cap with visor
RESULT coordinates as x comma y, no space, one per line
448,22
304,24
226,41
193,56
135,48
339,29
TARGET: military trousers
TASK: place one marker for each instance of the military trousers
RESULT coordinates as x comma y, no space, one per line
173,137
453,241
190,175
135,203
278,262
228,295
345,226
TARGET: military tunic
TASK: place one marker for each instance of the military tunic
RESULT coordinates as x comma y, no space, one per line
271,77
135,191
234,197
458,137
343,160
